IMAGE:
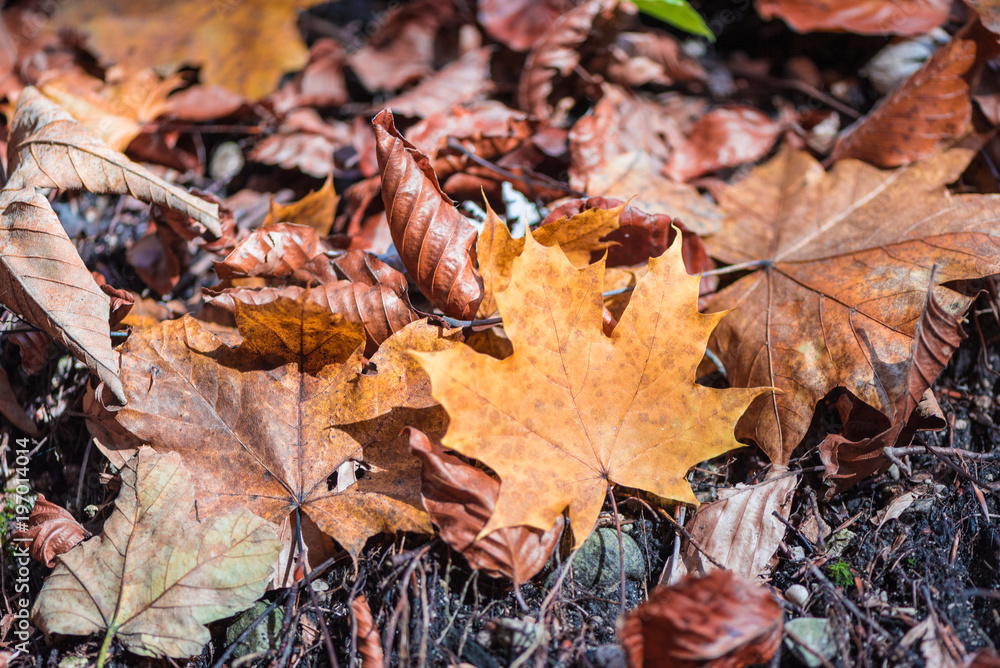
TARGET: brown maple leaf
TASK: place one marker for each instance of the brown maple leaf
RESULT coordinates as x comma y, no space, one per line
841,262
269,424
572,411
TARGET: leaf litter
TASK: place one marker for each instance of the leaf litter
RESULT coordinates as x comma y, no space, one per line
842,264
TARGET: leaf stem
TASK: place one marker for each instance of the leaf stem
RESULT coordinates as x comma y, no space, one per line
742,266
621,547
102,655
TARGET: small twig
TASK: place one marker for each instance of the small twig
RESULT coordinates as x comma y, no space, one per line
621,548
454,144
690,538
796,531
742,266
818,574
943,452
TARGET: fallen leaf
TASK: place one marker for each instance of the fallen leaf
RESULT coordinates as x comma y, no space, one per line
51,530
11,409
857,453
304,142
460,500
284,411
812,313
460,82
717,621
740,530
434,241
724,137
558,52
36,349
315,210
867,17
989,13
320,83
42,278
219,37
281,250
519,24
573,411
156,576
930,108
640,58
984,658
369,644
114,111
939,645
578,235
896,507
635,177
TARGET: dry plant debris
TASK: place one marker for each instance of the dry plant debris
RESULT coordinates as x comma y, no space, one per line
413,332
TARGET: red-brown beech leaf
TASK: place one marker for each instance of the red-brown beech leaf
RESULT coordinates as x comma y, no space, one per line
718,621
51,531
639,236
36,348
724,137
369,643
462,81
378,307
434,240
460,499
857,453
931,107
294,252
518,24
868,17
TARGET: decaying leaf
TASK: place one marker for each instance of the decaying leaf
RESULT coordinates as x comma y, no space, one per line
223,38
42,278
573,411
315,210
267,425
740,530
725,137
868,17
51,530
519,24
845,259
434,240
857,453
460,82
12,410
282,250
716,621
929,109
156,575
369,643
460,500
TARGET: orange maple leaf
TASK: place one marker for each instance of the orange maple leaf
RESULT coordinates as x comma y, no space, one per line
573,411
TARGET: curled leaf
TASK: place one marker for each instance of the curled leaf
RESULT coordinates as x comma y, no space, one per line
868,17
369,643
460,500
282,250
717,621
51,530
11,409
432,238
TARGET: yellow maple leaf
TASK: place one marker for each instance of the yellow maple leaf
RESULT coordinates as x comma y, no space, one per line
572,411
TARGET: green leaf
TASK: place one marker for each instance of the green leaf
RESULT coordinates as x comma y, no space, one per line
677,13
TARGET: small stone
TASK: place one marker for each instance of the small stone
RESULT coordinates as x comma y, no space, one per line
319,585
838,542
517,634
921,506
608,656
597,563
797,595
263,637
893,472
796,553
961,424
226,162
814,633
982,402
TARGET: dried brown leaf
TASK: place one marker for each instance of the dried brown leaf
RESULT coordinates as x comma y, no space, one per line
519,24
11,409
284,411
369,643
315,210
434,240
868,17
716,621
460,82
930,108
460,500
283,250
51,530
724,137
